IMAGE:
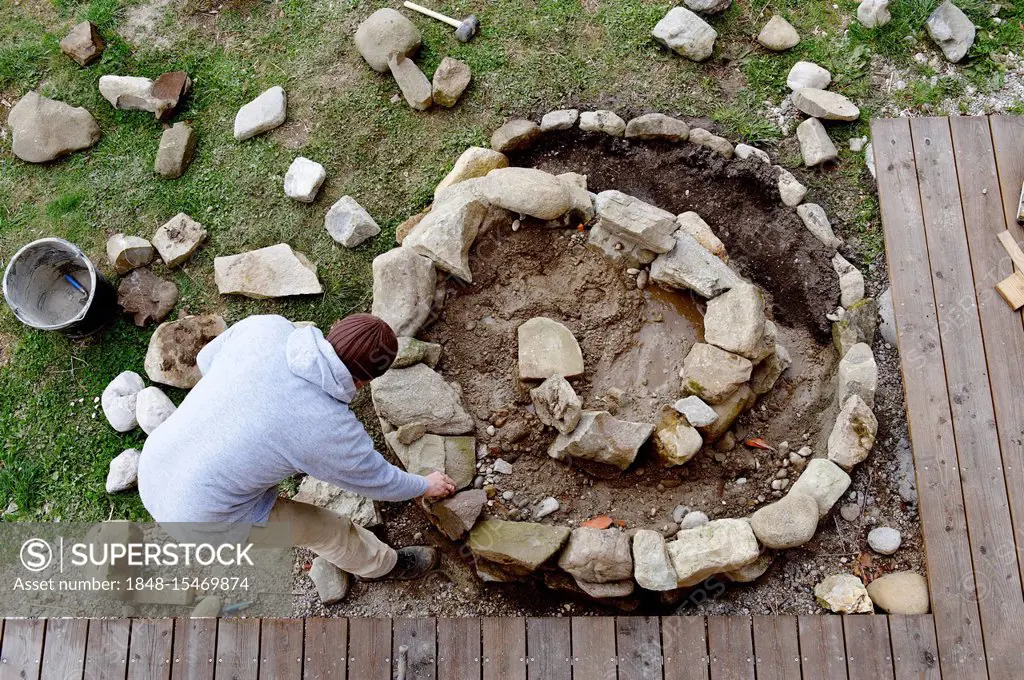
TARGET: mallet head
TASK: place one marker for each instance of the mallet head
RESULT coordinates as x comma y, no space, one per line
467,29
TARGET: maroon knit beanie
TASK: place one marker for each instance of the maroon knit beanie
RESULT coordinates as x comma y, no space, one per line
365,344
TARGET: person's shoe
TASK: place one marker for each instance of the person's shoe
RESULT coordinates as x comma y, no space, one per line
413,562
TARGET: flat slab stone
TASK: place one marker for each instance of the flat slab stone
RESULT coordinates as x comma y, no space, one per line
45,129
403,289
419,395
735,321
547,348
688,265
603,439
825,104
178,239
262,114
515,549
173,347
349,224
177,148
360,509
413,83
713,374
456,516
633,220
719,546
275,271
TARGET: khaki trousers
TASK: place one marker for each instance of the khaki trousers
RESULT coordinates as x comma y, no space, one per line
335,538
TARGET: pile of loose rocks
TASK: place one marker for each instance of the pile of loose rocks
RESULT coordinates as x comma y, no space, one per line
428,427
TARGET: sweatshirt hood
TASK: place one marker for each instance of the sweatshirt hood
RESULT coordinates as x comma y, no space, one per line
312,358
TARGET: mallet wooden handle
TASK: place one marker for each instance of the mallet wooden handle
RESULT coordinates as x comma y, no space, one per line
432,14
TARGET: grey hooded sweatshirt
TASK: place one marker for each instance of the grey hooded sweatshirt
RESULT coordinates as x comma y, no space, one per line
273,402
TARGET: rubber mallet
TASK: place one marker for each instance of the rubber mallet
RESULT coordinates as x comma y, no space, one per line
464,30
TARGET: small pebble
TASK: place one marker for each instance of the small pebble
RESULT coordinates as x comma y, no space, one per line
693,520
507,495
850,512
679,513
884,540
806,451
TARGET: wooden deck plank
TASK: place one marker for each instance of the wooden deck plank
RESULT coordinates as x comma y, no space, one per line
776,647
915,655
1008,139
868,648
325,649
419,637
106,649
731,647
149,649
195,649
281,648
638,640
822,647
369,649
981,476
504,648
684,644
943,519
593,648
21,650
64,651
458,649
238,649
549,648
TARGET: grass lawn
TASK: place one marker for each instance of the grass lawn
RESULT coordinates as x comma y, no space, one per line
532,56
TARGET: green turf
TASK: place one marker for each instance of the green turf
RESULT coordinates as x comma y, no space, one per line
532,56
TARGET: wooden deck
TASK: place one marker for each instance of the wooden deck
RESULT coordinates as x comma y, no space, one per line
587,648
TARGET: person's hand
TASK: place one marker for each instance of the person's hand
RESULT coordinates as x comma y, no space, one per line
440,485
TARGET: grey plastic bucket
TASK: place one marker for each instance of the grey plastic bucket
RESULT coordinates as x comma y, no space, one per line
39,293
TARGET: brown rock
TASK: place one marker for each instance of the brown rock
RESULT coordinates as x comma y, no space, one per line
403,229
450,80
83,43
171,357
147,297
456,516
177,147
515,135
170,88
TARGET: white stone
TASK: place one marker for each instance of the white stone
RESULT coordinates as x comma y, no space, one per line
129,252
824,481
178,239
557,404
735,321
384,33
414,84
853,434
604,121
816,221
701,231
447,232
694,519
808,74
152,408
547,348
716,547
123,473
869,159
951,30
884,540
303,179
652,568
264,113
858,374
419,395
360,509
825,104
602,438
348,223
403,290
815,145
133,93
791,191
713,374
119,398
562,119
851,281
526,191
474,162
887,325
689,265
696,412
778,35
547,506
745,151
844,594
274,271
708,6
787,523
874,13
686,34
634,220
331,583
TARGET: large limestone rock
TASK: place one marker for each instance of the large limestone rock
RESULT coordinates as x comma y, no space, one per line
778,35
129,252
360,509
873,13
652,567
421,457
547,348
123,473
176,150
557,404
858,374
825,104
808,74
712,373
83,43
413,83
624,253
718,546
901,592
505,551
686,34
951,30
45,129
118,400
562,119
604,121
403,290
349,224
633,220
843,594
676,441
447,232
264,113
384,33
450,80
456,516
152,408
701,231
178,239
851,281
419,395
602,439
853,435
173,347
275,271
657,126
708,140
824,481
688,265
474,162
858,324
147,297
597,555
816,221
816,147
159,97
515,135
735,321
786,523
526,191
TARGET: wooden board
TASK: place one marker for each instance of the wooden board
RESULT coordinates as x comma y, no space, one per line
1011,289
238,649
458,649
325,649
943,518
731,648
21,650
149,649
638,639
64,653
504,648
593,647
419,636
867,647
106,649
281,648
1000,600
684,644
1008,140
195,643
1012,249
776,647
550,649
822,648
369,649
915,656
